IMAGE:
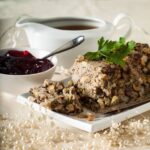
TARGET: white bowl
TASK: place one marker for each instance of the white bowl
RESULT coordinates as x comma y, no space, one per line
16,84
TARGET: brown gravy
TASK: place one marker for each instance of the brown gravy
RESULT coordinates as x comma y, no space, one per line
76,27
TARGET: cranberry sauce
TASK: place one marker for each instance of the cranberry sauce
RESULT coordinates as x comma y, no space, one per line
16,62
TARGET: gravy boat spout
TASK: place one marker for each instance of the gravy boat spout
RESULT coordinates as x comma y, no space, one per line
25,21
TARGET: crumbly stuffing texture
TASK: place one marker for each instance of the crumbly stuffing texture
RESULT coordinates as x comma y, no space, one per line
107,85
99,86
57,97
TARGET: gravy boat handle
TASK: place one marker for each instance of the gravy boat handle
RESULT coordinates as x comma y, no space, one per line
120,25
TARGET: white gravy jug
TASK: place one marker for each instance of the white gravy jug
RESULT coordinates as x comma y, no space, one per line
49,34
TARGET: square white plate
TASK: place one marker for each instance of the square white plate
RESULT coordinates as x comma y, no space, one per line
101,121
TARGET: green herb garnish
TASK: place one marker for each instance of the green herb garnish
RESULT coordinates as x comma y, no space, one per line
112,51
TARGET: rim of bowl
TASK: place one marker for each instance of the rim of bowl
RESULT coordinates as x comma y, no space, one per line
33,74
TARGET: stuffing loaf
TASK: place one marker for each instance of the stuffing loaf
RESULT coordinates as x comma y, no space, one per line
102,85
98,85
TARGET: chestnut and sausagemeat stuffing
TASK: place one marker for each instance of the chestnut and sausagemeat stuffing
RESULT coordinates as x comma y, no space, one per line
118,73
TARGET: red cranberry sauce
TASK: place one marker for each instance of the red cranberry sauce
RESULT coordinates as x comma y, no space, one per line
16,62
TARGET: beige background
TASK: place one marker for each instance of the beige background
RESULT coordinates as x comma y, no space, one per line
10,10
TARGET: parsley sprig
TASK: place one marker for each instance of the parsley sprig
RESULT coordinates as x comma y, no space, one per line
112,51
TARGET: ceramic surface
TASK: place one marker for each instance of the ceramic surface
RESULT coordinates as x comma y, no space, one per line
16,84
43,34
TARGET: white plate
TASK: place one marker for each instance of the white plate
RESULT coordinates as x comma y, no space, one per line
101,121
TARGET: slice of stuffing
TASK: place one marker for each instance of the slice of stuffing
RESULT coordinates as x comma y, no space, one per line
57,97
